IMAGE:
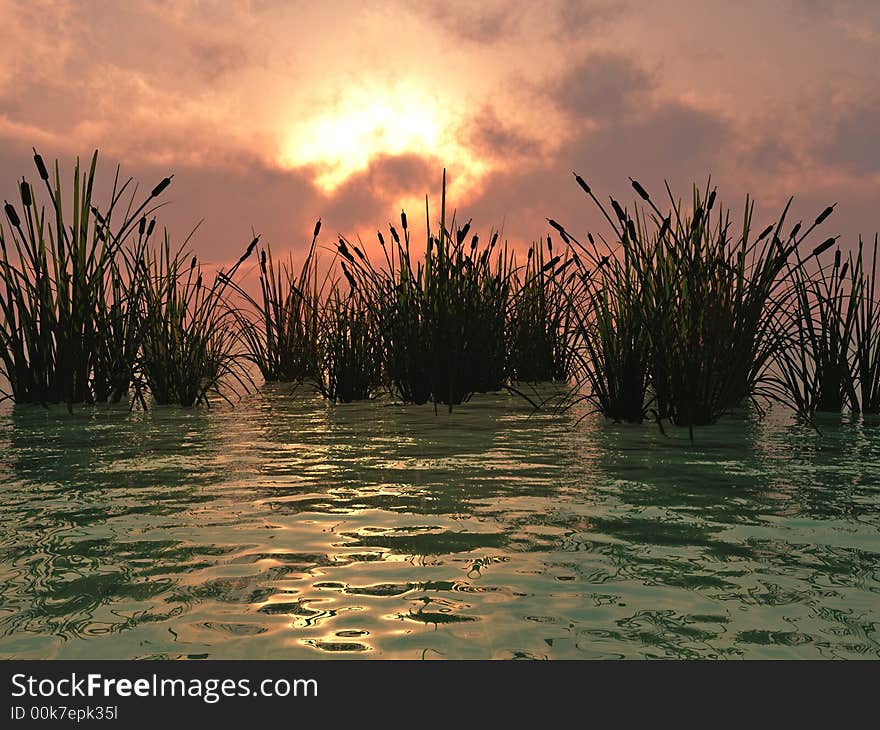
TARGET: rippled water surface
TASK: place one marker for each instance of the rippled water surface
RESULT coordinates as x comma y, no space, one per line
286,528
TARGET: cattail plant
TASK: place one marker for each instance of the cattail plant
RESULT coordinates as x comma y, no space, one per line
442,319
832,362
190,346
708,300
349,349
612,356
866,332
280,327
816,367
541,339
62,286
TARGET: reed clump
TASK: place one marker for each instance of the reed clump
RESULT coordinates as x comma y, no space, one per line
679,315
69,308
280,327
189,341
694,306
541,334
441,319
832,362
349,348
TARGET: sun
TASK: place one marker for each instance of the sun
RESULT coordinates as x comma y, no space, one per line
368,122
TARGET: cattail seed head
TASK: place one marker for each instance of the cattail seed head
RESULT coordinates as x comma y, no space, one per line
591,239
26,199
12,215
192,264
824,246
824,214
559,230
494,240
643,194
618,211
157,191
381,238
151,227
343,249
474,241
551,263
249,250
199,282
795,230
142,224
403,219
41,166
766,232
844,270
711,201
394,235
837,259
351,282
582,183
317,229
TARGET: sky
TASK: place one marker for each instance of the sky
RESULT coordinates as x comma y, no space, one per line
272,114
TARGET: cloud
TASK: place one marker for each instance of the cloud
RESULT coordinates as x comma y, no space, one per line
603,86
670,141
576,17
485,22
854,144
490,137
368,198
529,92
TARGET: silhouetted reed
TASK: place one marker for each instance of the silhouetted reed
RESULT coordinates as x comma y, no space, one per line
677,315
442,320
190,344
707,300
541,335
832,363
349,348
69,317
280,328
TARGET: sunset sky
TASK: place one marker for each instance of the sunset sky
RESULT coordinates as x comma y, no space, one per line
272,114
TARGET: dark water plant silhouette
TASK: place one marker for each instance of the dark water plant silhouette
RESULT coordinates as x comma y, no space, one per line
707,300
69,318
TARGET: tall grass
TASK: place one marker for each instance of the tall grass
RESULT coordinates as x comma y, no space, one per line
349,348
442,319
866,333
61,289
680,314
832,363
708,300
190,344
541,335
280,327
816,366
613,357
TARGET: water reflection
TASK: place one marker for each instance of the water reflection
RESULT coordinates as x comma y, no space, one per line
287,528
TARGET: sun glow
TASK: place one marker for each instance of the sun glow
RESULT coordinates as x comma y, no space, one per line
367,123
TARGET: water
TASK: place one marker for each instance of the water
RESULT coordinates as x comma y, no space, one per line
286,528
